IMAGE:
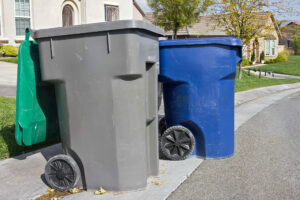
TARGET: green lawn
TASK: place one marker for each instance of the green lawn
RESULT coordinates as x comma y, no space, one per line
292,67
8,145
10,60
251,82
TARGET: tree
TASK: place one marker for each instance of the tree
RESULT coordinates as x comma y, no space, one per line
296,40
247,19
173,15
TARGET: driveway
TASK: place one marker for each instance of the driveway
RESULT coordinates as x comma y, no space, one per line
8,79
266,164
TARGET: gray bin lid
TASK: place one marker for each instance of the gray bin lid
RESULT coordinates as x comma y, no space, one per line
97,27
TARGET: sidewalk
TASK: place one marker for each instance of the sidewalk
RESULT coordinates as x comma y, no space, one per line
8,79
279,76
22,177
8,74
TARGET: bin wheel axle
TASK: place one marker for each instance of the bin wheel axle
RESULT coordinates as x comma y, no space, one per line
162,124
177,143
62,173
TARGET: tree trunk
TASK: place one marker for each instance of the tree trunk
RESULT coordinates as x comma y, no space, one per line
240,71
174,36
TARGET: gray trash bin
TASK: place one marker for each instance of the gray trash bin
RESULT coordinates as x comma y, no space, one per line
105,78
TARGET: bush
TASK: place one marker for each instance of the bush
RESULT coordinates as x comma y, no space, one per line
282,57
271,61
245,61
10,50
1,52
262,56
296,46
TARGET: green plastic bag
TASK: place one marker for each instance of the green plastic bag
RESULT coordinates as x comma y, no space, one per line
36,113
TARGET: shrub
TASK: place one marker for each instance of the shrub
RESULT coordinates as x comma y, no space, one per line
270,61
262,56
282,57
296,46
245,61
1,52
10,50
253,57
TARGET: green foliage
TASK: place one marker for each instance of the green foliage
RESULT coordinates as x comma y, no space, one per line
282,57
270,61
253,57
262,56
176,14
296,46
10,50
295,37
245,61
247,19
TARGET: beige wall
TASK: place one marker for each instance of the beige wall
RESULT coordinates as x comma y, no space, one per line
262,45
137,14
48,14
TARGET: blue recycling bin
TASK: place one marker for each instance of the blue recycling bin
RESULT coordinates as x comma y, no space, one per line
198,77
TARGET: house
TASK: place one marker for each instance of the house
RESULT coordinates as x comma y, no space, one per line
287,32
206,27
16,15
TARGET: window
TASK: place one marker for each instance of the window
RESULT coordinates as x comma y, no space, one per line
270,47
22,16
267,47
290,44
111,13
67,15
273,47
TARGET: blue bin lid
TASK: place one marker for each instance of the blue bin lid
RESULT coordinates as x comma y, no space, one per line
228,41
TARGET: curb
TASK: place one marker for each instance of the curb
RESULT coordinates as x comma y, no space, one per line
251,95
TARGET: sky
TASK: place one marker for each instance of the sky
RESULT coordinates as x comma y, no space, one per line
296,5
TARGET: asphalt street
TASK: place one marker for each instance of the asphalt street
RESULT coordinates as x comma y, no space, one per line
266,163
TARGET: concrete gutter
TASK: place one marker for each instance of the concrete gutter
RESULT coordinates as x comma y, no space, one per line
22,177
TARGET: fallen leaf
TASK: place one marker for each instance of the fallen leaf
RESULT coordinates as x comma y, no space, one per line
100,191
51,190
117,193
163,171
157,182
74,190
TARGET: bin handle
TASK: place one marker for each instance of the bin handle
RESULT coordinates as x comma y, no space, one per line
27,34
150,120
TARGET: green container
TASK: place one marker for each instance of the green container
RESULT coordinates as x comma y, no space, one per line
36,114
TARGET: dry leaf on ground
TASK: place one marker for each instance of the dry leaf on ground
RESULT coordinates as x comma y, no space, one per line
100,191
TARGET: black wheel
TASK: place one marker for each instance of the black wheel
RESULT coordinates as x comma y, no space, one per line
177,143
62,173
162,124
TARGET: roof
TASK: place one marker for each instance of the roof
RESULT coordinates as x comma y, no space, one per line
138,7
296,23
206,26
